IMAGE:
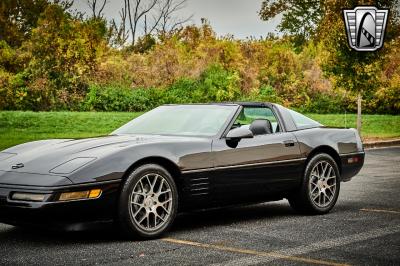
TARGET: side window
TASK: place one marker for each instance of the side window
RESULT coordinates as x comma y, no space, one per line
303,121
249,114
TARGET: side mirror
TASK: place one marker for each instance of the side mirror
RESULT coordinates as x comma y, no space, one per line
239,133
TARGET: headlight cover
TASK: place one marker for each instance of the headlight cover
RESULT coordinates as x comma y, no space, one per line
72,165
22,196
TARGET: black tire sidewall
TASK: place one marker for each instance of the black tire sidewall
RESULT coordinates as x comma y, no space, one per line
124,217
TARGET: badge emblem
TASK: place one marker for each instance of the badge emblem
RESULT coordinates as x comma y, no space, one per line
18,165
365,27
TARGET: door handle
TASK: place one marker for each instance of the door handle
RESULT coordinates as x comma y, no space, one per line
288,143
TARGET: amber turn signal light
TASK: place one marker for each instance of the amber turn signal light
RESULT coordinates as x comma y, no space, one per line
77,195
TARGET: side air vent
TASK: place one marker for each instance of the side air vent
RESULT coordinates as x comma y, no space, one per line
199,186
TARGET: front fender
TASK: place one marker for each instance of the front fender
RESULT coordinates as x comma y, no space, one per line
188,155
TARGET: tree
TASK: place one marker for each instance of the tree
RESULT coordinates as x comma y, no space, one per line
97,10
162,13
300,18
323,22
137,9
118,34
18,18
64,53
355,71
165,21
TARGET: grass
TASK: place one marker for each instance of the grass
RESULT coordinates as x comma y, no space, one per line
373,126
18,127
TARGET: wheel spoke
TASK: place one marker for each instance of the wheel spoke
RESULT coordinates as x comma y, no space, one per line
166,201
331,186
329,198
316,196
138,211
146,215
141,184
329,172
147,180
137,203
165,209
139,194
159,216
331,177
330,189
154,183
324,170
163,192
161,186
313,190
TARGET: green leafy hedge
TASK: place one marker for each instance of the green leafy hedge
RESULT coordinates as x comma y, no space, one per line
215,85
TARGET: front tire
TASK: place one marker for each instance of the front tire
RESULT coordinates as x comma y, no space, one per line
148,202
320,187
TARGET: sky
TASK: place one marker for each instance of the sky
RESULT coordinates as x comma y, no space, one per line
237,17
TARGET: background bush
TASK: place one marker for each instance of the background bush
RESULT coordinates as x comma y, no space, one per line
65,62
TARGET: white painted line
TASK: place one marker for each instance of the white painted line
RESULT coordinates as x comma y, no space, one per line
253,252
380,210
316,246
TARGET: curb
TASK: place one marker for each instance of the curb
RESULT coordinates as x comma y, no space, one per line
382,144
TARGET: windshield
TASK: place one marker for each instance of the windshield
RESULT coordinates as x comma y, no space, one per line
185,120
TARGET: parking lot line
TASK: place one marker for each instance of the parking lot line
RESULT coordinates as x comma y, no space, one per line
252,252
380,210
316,246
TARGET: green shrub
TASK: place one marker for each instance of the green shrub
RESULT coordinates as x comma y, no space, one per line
323,104
116,99
214,85
265,94
182,91
218,84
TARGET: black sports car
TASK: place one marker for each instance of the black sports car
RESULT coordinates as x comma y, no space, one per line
178,158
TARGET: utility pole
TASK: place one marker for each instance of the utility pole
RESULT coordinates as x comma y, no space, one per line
359,113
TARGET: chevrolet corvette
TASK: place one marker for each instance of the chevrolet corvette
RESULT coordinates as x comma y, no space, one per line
178,158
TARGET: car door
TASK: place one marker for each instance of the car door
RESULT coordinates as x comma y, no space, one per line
258,167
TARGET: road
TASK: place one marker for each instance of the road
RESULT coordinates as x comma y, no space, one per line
363,229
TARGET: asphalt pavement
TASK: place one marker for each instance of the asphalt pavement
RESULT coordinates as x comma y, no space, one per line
363,229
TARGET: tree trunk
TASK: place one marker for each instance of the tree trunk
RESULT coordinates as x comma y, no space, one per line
359,113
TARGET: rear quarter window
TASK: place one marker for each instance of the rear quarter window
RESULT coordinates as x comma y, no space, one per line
302,121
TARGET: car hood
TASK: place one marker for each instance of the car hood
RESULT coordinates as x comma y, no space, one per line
40,157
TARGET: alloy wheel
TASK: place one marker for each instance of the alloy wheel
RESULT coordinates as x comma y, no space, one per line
151,202
322,184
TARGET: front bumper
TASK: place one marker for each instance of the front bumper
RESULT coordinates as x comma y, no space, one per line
59,213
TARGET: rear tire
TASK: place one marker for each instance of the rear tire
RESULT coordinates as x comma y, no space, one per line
148,202
320,187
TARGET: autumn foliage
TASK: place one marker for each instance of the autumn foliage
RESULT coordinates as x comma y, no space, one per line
67,63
